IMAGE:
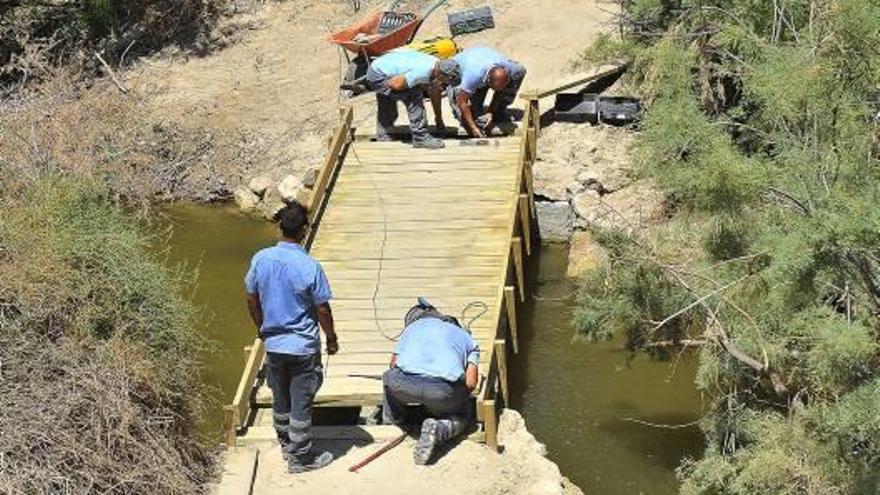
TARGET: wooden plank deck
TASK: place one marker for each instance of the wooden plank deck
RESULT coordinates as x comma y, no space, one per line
390,223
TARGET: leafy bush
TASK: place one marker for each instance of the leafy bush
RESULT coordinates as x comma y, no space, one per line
761,127
97,349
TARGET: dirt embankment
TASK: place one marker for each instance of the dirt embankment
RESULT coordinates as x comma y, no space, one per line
468,468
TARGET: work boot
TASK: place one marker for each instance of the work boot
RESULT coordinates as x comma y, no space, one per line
318,461
426,443
430,143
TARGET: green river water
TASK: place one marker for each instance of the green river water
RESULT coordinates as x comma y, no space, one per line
584,401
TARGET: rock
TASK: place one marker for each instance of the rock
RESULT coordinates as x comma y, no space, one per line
555,220
584,254
310,177
553,179
627,209
259,184
271,204
604,178
289,187
245,198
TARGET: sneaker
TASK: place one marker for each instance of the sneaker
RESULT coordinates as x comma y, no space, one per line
382,138
430,143
317,462
427,441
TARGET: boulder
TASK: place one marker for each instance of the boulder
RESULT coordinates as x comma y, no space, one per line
604,177
289,188
553,179
245,198
584,254
627,209
555,220
259,184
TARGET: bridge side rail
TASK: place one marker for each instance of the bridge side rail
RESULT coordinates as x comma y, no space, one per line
494,391
238,413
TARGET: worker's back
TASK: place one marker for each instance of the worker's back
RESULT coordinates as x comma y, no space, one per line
433,347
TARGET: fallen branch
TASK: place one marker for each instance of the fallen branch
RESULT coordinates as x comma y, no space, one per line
111,73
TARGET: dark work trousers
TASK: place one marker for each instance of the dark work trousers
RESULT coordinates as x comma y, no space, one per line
478,99
386,112
294,381
446,401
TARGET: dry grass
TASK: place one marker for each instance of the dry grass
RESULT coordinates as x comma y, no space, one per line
97,350
68,128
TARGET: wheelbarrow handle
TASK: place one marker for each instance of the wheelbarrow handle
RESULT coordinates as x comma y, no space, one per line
431,8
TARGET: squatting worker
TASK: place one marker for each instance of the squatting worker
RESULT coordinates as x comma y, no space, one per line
434,365
405,75
483,68
288,296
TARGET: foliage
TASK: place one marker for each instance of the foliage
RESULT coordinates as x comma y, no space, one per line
762,128
97,349
36,37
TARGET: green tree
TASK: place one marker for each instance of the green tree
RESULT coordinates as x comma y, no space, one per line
762,128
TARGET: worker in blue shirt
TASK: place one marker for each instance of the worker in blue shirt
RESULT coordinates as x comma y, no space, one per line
405,75
288,296
435,364
483,68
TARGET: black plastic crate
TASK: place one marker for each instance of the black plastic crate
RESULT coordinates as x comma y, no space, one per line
619,110
471,21
575,107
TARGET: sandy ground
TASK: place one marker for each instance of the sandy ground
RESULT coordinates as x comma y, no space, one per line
468,468
279,85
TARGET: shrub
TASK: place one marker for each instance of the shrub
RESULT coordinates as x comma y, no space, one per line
97,349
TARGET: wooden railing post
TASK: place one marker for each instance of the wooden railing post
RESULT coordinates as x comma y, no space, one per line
510,304
518,268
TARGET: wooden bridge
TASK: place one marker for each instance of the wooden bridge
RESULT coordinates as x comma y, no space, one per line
391,223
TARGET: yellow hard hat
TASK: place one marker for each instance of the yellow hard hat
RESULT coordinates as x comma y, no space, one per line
446,48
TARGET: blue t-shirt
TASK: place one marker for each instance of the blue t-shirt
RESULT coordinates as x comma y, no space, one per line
476,62
433,347
416,66
290,283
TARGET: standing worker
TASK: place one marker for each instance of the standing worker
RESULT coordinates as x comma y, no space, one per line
434,365
483,68
404,75
288,296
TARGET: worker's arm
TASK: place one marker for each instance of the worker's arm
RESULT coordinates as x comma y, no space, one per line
462,100
471,377
493,108
397,83
393,361
254,308
325,319
435,92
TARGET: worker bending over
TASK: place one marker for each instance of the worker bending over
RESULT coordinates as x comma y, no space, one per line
434,365
405,75
483,68
288,296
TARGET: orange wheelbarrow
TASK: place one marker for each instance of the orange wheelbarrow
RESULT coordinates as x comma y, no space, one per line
383,31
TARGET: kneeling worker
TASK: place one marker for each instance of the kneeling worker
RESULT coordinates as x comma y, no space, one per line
483,68
288,297
404,75
434,365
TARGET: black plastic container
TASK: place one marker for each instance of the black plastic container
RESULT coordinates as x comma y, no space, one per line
471,21
577,108
592,108
619,110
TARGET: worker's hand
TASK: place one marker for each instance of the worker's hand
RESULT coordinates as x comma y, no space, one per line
478,134
332,347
